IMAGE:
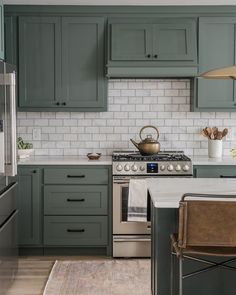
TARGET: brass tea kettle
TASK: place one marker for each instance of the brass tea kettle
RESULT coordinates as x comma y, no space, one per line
149,145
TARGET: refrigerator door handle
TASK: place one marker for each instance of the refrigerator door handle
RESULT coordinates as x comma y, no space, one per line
10,81
2,149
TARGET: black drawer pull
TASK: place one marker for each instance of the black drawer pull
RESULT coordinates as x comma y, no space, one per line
75,200
75,176
76,230
227,176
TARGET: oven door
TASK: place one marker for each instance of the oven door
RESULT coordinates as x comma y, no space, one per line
120,210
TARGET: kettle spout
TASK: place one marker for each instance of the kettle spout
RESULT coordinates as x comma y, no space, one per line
134,143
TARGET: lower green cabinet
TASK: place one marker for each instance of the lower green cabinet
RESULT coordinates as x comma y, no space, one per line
56,216
215,171
30,206
75,230
76,200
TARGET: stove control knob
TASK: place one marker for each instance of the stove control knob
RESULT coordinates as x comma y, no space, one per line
177,168
186,168
134,168
162,167
170,167
127,167
142,168
119,167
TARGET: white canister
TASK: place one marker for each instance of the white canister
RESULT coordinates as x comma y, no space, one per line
214,148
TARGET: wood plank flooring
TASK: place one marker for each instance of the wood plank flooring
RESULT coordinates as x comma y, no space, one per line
34,271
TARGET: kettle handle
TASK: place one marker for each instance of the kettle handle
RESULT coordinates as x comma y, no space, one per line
148,126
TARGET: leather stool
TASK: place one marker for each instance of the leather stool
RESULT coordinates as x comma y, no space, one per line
207,226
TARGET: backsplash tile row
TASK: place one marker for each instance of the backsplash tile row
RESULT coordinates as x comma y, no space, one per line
131,105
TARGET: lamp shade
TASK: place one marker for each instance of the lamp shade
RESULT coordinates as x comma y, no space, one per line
222,73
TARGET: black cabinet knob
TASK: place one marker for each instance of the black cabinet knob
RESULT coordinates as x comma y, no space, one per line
149,55
156,56
34,171
64,103
58,103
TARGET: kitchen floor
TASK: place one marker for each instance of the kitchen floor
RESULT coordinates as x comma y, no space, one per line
34,271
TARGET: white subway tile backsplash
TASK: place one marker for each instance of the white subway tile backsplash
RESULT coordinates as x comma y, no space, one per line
132,103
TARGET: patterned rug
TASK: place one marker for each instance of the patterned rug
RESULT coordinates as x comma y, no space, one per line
100,277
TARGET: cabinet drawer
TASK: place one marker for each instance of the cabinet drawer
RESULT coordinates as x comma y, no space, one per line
75,230
82,175
75,200
215,172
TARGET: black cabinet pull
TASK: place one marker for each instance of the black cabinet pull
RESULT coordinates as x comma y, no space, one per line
227,176
76,230
156,56
75,176
149,55
64,103
34,171
58,103
75,200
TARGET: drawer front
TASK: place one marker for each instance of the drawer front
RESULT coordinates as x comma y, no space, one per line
216,172
85,175
75,230
75,200
7,202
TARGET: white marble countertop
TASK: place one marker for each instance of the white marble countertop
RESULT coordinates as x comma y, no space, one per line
64,160
204,160
167,192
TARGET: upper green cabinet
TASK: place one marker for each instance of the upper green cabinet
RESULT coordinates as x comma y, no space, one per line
39,61
61,63
155,47
131,42
2,49
83,62
216,49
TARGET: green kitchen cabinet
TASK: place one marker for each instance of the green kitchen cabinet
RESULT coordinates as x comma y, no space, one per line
2,48
10,39
83,83
152,46
131,41
215,171
61,63
30,206
216,49
39,62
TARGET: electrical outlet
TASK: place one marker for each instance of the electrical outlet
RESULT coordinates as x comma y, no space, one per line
36,134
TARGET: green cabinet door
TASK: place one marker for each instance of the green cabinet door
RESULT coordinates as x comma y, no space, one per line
39,61
29,204
10,39
83,82
2,49
216,49
131,41
175,40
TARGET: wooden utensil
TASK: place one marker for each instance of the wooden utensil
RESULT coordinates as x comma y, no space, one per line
224,132
219,135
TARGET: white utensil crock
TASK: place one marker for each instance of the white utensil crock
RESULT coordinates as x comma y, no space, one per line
214,148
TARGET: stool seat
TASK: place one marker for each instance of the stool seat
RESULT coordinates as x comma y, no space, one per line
199,250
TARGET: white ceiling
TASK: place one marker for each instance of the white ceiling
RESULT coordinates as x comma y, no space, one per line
122,2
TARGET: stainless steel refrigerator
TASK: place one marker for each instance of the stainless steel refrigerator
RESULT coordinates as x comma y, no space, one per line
8,172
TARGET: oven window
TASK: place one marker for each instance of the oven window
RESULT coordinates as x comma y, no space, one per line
124,203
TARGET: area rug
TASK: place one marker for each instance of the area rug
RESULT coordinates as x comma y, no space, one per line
100,277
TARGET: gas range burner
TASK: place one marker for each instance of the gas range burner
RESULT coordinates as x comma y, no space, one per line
162,156
165,163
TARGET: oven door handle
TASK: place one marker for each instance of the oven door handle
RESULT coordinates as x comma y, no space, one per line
132,240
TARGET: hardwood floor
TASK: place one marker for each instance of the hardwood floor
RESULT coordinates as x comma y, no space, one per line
34,271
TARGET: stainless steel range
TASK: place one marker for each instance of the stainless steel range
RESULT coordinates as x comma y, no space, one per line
132,239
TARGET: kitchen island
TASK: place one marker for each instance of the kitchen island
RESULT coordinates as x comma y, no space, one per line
165,195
